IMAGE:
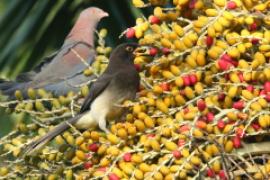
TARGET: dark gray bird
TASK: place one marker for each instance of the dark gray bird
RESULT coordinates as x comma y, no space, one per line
119,82
63,71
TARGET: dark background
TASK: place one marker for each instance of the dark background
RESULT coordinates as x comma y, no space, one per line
32,29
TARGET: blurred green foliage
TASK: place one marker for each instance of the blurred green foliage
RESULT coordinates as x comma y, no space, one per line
30,30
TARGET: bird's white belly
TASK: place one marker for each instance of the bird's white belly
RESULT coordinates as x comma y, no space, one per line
99,109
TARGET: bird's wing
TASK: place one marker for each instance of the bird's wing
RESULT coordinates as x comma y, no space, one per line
70,61
96,89
28,76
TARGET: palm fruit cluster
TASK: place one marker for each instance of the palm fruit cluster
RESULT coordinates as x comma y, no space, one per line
202,111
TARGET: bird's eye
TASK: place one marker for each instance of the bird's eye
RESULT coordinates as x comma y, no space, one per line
129,49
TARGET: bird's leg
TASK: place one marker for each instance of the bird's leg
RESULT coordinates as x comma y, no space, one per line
102,125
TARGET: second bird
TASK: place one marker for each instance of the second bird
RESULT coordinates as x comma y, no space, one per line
119,82
63,71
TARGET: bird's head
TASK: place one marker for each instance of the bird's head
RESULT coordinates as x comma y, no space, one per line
93,13
125,52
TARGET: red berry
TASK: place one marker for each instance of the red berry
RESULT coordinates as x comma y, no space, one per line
210,173
151,135
192,4
166,51
222,175
130,33
113,176
221,96
154,20
255,126
181,142
267,97
186,110
240,132
255,41
176,154
87,165
238,105
231,5
137,67
253,27
165,86
223,64
193,79
250,88
186,81
241,77
209,41
153,51
93,147
226,57
210,116
267,86
236,142
184,128
127,157
221,124
201,105
102,169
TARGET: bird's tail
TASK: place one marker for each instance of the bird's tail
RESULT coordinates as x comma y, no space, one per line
8,88
39,143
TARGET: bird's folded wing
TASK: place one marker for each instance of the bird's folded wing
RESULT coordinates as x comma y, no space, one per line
96,89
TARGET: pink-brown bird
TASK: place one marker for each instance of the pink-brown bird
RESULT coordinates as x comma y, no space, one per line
63,71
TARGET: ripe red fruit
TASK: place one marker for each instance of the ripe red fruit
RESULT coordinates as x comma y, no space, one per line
255,126
181,142
137,67
223,64
93,147
253,27
255,41
238,105
222,175
210,173
186,80
113,176
209,41
192,3
153,51
240,132
267,86
231,5
241,77
210,116
236,142
166,51
184,128
127,157
221,96
130,33
226,57
250,88
201,104
193,79
221,124
165,86
177,154
87,165
154,20
267,97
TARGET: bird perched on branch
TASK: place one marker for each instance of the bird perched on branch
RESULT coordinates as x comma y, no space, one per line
63,71
119,82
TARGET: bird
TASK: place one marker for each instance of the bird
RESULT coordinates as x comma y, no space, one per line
119,82
62,71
